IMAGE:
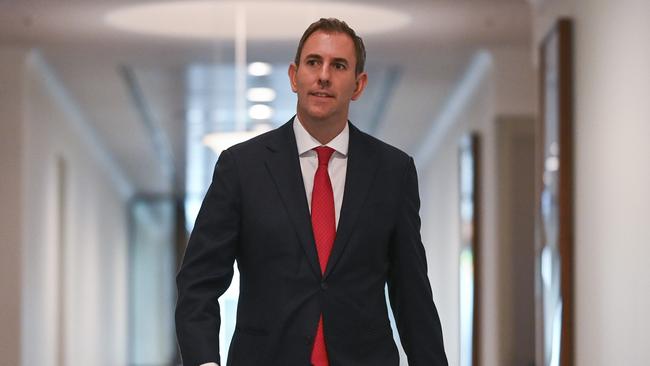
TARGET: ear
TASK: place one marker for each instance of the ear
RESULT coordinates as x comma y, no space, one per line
293,69
362,80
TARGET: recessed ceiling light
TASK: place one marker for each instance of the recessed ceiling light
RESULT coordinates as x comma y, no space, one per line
265,19
552,164
260,95
259,68
260,111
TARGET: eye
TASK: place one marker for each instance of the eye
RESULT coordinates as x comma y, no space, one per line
311,62
340,66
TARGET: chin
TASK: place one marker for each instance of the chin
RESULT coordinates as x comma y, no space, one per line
319,114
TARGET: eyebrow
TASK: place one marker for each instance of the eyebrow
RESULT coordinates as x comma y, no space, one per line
319,57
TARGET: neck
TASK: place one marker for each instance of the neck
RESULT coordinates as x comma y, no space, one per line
323,130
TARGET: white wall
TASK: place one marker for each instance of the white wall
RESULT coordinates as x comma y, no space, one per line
516,200
440,217
515,81
11,188
612,194
64,244
505,87
613,182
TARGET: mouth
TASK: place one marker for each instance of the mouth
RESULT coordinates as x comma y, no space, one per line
321,94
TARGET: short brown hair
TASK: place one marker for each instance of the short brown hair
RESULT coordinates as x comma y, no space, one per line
333,25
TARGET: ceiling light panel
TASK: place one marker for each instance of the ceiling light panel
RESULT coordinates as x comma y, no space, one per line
260,95
260,111
259,69
265,20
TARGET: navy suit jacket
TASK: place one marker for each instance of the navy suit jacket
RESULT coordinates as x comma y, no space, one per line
256,213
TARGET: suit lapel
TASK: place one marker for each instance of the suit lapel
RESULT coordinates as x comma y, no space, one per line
284,166
361,169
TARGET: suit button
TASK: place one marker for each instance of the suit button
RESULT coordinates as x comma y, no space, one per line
323,286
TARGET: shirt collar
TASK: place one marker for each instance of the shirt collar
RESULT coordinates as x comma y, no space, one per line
307,142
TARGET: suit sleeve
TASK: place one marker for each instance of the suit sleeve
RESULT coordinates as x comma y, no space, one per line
409,289
207,268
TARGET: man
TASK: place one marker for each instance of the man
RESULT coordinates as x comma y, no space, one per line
319,217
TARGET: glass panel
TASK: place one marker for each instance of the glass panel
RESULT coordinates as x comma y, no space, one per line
468,238
152,268
550,260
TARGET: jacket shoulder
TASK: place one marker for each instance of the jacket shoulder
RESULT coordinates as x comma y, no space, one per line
259,143
254,143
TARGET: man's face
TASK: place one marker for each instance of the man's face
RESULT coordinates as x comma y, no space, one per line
325,79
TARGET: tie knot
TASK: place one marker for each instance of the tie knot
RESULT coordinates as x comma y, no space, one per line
324,154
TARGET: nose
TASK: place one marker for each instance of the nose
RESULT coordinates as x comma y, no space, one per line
324,76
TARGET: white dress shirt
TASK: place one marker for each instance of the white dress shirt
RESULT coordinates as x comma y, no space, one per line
336,168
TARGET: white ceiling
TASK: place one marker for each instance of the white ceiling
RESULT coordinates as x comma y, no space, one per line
133,89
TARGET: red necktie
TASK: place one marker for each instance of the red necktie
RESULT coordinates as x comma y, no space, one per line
324,225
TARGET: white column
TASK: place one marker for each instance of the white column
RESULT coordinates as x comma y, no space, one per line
612,212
